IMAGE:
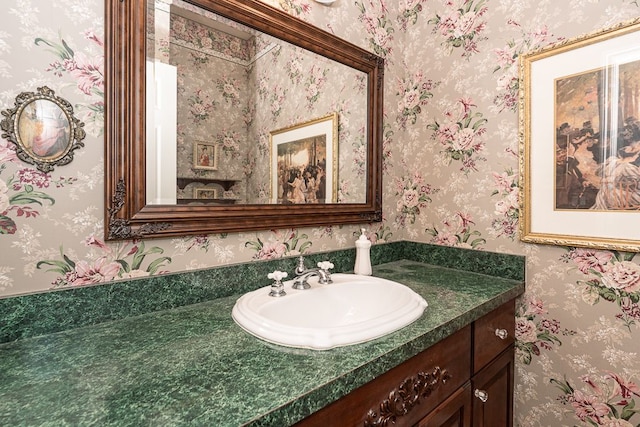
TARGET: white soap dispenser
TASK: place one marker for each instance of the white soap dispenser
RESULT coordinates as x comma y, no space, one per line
363,258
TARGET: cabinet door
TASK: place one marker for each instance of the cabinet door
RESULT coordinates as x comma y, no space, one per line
493,393
453,412
493,333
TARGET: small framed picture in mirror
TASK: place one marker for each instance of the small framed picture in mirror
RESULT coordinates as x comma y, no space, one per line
43,128
205,155
205,193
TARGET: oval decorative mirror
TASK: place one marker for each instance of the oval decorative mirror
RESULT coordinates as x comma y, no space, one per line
226,116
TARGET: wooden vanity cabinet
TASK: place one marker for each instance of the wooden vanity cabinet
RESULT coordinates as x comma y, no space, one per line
465,380
493,362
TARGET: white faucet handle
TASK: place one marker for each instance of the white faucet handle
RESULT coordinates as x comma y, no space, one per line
325,265
277,275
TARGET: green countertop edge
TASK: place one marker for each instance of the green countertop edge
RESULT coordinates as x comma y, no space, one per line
63,309
139,371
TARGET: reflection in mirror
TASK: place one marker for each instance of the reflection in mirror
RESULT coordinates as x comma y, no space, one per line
227,115
217,91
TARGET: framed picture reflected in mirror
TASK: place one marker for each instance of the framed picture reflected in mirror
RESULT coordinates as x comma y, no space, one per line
303,162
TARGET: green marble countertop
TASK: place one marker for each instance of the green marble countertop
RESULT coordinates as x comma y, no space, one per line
194,366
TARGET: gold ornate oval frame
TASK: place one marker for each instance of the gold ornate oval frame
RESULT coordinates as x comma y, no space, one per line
43,128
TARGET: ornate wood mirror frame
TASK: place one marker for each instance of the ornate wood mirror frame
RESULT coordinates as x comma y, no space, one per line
127,213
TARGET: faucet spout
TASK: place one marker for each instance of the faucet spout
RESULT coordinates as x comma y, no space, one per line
303,274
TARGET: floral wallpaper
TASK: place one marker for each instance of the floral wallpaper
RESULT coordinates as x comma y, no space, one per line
450,177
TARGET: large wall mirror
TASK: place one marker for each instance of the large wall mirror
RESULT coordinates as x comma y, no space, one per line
229,115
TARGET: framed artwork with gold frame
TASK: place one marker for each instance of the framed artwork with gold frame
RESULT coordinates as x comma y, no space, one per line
580,141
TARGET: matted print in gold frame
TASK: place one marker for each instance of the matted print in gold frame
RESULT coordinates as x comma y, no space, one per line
43,128
304,162
580,141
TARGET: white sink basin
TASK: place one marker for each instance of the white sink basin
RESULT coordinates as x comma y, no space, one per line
351,310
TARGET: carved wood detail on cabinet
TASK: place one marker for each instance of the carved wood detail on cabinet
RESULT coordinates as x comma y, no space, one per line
406,397
452,354
436,387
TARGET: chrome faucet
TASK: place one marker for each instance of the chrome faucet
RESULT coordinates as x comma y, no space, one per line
303,274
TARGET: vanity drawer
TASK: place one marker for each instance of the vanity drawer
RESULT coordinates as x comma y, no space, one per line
493,333
436,373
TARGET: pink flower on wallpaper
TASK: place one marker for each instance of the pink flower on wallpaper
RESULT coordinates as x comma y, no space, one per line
588,260
445,238
506,58
316,78
295,7
87,70
359,152
461,25
457,231
200,106
589,407
374,15
611,277
229,142
623,388
294,69
624,275
92,241
507,208
285,243
89,73
20,192
464,140
534,307
207,43
387,145
526,330
534,331
230,90
410,198
414,196
376,234
99,271
277,98
7,152
263,87
33,177
608,400
344,190
408,12
414,93
460,132
381,37
504,182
